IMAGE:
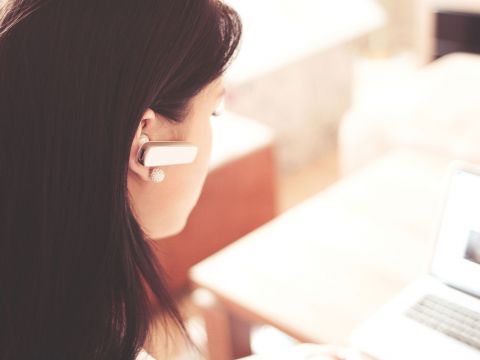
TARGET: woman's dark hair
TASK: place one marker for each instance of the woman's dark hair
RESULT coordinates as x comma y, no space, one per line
78,278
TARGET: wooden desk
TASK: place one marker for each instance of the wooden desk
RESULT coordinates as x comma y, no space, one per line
318,270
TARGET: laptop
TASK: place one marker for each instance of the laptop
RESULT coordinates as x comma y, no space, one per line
437,316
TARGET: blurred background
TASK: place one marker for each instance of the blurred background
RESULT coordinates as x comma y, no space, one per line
319,91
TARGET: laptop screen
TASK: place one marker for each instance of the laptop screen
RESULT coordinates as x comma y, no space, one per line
472,251
456,260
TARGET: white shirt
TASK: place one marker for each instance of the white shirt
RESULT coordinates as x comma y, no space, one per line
143,355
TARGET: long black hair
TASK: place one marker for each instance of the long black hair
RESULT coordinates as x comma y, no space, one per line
77,273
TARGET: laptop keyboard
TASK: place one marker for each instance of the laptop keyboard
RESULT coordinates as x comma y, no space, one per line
449,318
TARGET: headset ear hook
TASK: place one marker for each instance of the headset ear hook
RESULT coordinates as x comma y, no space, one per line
143,139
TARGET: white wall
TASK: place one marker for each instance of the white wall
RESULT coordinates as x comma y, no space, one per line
400,32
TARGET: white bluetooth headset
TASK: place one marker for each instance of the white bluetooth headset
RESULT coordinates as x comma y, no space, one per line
164,153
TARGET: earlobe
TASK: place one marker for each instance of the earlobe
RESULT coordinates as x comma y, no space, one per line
157,175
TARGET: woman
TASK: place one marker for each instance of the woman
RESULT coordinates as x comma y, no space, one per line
84,84
81,84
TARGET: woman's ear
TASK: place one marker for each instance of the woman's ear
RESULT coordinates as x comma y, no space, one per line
146,126
157,128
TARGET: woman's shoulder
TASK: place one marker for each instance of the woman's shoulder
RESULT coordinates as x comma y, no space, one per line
143,355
